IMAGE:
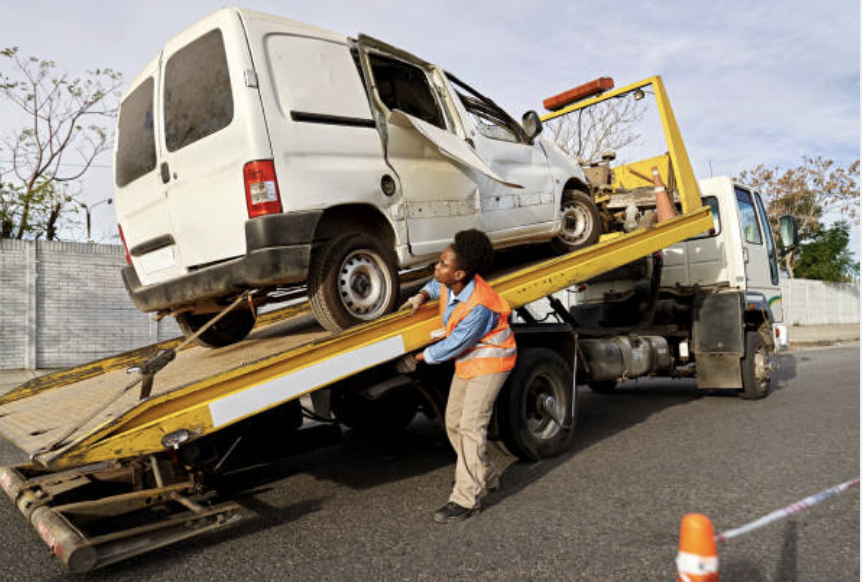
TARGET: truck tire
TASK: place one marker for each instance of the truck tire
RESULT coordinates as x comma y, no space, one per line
388,414
353,279
603,386
581,223
527,431
230,329
756,367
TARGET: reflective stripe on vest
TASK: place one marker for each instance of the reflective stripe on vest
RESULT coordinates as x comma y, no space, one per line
496,351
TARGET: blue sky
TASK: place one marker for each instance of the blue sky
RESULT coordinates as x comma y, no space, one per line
751,82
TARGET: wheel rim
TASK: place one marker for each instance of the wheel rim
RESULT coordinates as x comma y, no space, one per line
762,368
545,398
363,284
577,224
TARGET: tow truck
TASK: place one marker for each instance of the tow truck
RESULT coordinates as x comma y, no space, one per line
121,449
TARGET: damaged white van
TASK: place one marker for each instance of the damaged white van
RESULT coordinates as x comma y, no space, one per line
259,152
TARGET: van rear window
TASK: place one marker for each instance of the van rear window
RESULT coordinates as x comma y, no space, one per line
198,100
136,148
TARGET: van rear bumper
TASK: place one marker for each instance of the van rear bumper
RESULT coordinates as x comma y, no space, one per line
279,252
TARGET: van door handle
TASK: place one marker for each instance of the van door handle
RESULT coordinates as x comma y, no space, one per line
166,173
745,254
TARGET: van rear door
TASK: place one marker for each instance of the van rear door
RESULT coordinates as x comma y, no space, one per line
140,198
212,125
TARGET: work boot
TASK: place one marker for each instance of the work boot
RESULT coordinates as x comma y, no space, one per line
454,512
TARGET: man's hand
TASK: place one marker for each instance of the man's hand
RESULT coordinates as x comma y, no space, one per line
406,364
415,302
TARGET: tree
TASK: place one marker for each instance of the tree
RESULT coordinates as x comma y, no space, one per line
62,137
809,191
588,132
827,256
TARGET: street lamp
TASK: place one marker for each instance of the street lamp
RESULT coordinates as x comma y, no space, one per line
88,208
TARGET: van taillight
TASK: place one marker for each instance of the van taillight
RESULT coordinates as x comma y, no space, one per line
261,188
125,246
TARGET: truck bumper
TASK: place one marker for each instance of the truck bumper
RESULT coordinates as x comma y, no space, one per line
279,252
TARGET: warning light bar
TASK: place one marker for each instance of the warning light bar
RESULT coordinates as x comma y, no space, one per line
579,93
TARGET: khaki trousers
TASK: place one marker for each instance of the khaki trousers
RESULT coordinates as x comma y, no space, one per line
468,411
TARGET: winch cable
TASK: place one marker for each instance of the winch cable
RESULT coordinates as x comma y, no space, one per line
146,374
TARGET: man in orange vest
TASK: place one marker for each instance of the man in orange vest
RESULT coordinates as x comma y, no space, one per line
479,339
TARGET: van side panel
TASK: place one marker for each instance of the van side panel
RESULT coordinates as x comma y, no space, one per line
325,143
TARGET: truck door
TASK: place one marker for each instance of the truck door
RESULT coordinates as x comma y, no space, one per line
758,247
436,169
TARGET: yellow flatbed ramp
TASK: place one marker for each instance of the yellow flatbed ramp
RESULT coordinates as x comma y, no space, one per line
204,390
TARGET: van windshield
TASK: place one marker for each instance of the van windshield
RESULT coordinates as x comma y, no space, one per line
198,100
136,147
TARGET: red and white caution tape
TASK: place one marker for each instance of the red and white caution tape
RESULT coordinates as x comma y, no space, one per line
786,511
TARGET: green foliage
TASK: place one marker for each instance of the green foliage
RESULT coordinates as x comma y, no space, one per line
827,256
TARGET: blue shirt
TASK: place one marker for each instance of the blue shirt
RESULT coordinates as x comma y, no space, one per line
476,324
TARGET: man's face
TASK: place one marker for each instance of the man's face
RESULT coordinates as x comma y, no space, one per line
446,270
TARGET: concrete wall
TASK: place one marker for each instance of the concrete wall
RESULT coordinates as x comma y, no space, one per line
63,304
808,302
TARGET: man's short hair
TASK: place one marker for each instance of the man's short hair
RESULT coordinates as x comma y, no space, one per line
473,251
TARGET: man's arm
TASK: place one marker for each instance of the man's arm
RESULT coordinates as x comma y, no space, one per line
477,324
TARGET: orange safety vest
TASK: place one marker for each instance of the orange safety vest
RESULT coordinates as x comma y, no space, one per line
496,351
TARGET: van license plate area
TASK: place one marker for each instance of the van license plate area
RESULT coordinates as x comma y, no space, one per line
158,260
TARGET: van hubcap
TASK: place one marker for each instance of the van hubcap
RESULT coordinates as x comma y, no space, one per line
363,284
577,224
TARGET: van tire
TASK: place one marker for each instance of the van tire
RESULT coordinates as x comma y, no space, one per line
526,432
230,329
581,223
345,275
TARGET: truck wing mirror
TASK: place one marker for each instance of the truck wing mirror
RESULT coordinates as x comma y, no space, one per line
532,124
788,231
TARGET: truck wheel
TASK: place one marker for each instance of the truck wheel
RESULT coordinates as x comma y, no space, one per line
353,279
538,391
602,386
230,329
390,413
756,367
581,223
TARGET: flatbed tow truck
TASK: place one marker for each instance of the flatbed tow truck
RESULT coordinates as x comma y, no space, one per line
121,448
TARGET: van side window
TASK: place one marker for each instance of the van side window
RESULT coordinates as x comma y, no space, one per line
136,148
198,100
405,87
488,117
748,217
770,242
712,202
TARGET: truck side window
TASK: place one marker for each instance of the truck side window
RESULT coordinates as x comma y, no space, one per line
712,202
198,99
748,217
405,87
770,242
136,148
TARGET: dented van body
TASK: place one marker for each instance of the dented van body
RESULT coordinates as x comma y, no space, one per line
253,146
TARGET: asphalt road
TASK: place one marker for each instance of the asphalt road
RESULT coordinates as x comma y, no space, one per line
607,510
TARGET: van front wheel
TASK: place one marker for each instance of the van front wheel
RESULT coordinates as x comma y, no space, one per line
353,280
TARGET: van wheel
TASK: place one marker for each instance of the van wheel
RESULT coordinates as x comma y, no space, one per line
353,280
538,391
230,329
581,223
756,367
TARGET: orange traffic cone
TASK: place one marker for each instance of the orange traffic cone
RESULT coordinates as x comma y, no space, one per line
663,205
697,560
